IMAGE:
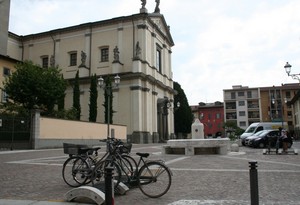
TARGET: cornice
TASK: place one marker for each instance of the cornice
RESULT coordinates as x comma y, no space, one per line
134,17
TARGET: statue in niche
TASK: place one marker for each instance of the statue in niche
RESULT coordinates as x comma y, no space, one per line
143,3
116,54
137,50
157,10
83,59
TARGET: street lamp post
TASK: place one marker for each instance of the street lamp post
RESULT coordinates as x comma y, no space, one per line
167,105
288,69
108,88
173,107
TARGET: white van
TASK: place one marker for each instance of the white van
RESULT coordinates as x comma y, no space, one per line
258,126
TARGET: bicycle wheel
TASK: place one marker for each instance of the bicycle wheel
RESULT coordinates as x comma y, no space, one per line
75,171
132,162
92,163
98,174
126,166
154,179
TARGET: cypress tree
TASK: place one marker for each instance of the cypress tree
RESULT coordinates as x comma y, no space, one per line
76,96
93,99
61,101
183,117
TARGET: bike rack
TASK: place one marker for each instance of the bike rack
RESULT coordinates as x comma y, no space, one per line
86,194
121,189
292,151
89,194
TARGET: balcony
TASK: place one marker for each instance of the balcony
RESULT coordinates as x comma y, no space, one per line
253,106
231,116
230,106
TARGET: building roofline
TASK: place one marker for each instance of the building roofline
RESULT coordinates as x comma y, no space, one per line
287,86
101,23
7,58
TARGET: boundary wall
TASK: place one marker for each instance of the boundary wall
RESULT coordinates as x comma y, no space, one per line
52,133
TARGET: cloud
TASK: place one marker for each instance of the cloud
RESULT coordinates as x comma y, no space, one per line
217,43
247,49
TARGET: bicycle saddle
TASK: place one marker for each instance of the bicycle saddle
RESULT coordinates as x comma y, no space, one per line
93,149
143,154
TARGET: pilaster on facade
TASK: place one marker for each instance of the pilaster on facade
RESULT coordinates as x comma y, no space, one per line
4,16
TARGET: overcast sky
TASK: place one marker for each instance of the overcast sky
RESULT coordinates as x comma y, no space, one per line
218,43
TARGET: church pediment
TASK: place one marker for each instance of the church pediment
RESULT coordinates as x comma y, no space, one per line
161,26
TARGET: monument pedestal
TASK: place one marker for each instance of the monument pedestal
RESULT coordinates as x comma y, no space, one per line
197,130
197,146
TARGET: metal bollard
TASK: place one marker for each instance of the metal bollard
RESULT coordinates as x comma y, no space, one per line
109,186
253,183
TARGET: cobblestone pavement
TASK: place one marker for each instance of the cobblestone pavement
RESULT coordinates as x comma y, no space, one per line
200,179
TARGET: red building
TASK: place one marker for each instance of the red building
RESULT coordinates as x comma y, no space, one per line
212,117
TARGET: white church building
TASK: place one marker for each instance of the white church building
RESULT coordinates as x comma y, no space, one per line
137,48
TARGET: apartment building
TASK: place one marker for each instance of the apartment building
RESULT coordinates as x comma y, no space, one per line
295,103
212,117
7,66
246,105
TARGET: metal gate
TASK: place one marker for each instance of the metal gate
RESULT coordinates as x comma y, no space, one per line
15,132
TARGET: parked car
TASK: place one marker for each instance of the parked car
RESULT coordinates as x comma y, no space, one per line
258,126
248,141
266,138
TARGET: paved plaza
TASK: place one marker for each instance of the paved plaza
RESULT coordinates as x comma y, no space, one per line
199,179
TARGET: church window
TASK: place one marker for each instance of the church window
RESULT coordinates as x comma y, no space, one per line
158,59
73,58
104,54
45,61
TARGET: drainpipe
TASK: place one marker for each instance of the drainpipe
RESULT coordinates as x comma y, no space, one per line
22,55
90,58
133,38
54,48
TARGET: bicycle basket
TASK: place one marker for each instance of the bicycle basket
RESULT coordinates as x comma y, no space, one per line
73,149
125,148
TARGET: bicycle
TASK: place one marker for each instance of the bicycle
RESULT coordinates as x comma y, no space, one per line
78,168
154,178
117,156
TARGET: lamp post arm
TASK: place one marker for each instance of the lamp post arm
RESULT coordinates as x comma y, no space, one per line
295,76
288,68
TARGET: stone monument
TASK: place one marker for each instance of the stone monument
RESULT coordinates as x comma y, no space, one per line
197,130
197,145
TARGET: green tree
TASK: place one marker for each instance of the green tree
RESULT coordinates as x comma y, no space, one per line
11,108
61,101
76,96
233,130
34,87
183,116
93,99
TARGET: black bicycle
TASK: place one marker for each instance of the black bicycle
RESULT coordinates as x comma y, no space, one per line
79,168
152,177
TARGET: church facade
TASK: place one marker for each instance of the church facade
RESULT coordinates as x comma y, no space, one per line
137,48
